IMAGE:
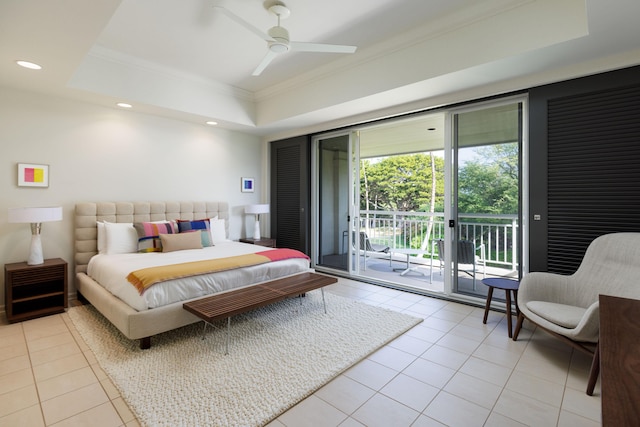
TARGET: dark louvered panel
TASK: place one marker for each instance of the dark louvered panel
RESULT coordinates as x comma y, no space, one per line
593,171
288,198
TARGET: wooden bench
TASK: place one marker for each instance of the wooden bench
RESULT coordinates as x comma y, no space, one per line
237,301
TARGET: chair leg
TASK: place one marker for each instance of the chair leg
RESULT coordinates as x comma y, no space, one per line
474,276
518,326
595,370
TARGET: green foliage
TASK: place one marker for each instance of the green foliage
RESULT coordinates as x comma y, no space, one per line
486,184
489,183
401,183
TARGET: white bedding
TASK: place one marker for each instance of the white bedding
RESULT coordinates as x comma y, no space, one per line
111,272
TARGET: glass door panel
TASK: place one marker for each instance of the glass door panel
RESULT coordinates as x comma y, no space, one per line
485,239
333,202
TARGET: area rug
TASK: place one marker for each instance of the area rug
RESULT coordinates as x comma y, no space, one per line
278,355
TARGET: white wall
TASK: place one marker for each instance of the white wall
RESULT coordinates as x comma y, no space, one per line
101,154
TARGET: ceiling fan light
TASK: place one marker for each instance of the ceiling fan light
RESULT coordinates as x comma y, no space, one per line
278,47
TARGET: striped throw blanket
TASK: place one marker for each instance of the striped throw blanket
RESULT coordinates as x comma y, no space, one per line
146,277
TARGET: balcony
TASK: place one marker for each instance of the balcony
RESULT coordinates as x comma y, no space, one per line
495,236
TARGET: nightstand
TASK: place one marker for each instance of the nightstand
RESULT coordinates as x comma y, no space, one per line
264,241
32,291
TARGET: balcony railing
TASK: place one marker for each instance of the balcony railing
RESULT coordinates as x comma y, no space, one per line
400,230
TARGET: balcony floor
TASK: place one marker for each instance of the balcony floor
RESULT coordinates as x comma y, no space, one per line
379,270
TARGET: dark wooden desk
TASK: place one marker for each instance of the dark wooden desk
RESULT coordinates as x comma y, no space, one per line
620,360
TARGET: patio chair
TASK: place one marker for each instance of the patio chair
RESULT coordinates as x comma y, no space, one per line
567,306
467,256
367,247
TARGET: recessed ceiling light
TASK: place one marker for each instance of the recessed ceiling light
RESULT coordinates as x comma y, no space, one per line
211,123
124,105
29,65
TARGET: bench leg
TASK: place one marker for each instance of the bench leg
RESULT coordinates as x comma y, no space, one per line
228,333
205,328
324,303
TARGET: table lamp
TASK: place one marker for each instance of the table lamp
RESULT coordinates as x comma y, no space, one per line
35,216
256,210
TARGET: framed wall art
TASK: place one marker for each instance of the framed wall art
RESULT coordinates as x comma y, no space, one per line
33,175
247,185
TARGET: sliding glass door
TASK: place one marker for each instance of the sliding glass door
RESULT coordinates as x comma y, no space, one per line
486,197
332,184
430,202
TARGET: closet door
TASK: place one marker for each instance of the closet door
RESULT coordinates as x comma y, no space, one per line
584,158
290,217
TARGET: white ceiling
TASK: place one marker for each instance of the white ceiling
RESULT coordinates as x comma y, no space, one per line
186,60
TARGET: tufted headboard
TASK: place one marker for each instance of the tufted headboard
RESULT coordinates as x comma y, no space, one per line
87,213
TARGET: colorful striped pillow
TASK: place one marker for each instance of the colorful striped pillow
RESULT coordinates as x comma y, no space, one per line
202,225
149,235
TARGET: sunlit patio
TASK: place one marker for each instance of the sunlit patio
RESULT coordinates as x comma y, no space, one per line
402,250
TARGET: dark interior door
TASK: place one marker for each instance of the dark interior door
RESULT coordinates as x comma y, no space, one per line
290,193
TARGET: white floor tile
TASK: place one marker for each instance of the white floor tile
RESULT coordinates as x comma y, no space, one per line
500,356
579,402
371,374
487,371
429,372
392,358
345,394
312,412
381,411
474,390
424,421
567,419
445,356
410,391
410,345
456,412
526,410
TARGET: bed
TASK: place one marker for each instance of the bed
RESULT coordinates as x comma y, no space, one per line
140,314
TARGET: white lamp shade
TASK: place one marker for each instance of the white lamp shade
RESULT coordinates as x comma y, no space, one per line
35,215
256,209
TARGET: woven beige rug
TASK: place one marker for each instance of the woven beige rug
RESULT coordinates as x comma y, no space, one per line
278,355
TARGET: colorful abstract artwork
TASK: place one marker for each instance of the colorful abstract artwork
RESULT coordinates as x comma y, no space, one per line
33,175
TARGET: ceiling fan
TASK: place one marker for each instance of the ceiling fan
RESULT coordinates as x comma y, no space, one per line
277,37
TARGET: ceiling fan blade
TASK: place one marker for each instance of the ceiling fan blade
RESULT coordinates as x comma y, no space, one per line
244,23
319,47
265,61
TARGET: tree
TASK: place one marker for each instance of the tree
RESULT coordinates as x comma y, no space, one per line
489,183
402,183
411,182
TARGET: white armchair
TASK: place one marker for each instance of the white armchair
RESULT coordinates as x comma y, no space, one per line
567,306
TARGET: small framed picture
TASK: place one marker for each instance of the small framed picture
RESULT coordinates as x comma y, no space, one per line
33,175
247,185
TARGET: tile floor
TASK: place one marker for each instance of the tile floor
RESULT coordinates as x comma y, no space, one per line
450,370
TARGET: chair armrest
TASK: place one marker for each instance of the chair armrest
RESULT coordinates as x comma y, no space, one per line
540,286
589,326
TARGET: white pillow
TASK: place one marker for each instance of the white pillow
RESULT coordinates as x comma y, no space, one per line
218,233
121,238
102,238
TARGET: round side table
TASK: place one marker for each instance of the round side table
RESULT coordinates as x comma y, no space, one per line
508,286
